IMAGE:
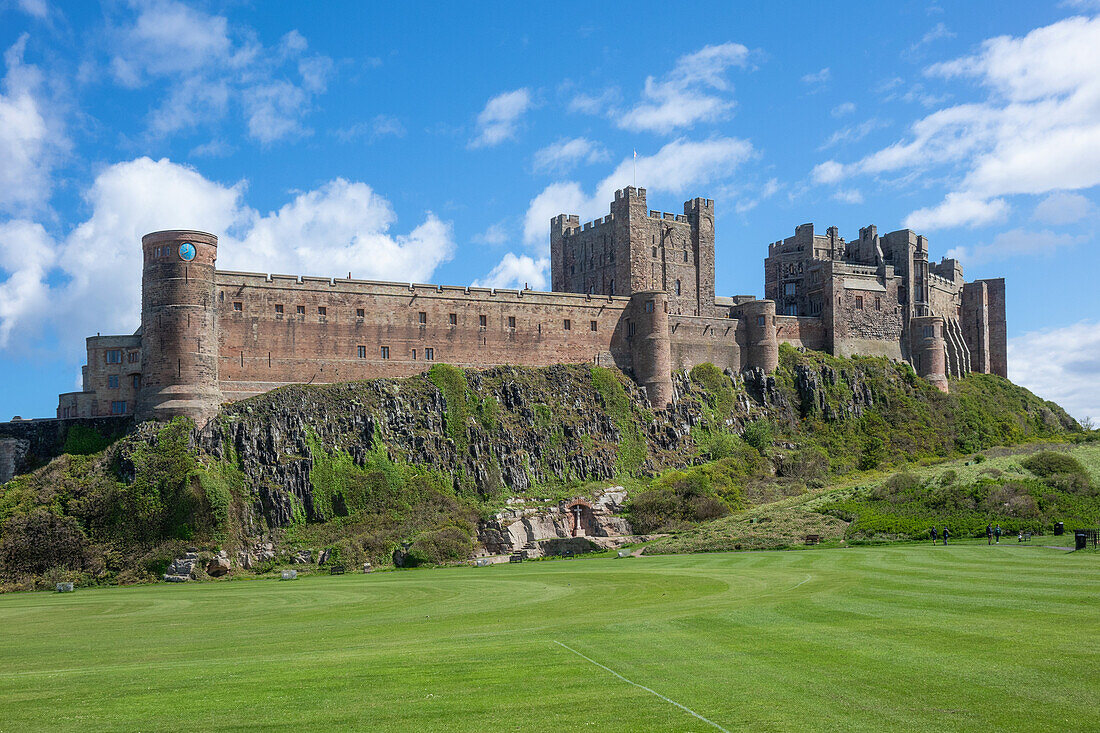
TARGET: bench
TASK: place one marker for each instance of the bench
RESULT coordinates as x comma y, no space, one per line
813,539
337,569
516,558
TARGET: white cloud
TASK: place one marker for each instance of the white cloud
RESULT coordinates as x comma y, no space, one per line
494,235
769,189
563,155
848,196
594,104
818,77
854,133
1062,208
517,271
500,118
828,172
378,127
1061,365
1015,242
208,67
26,255
679,165
958,209
845,108
37,8
688,94
341,227
31,139
1038,130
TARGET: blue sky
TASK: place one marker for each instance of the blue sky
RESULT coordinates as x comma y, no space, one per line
433,142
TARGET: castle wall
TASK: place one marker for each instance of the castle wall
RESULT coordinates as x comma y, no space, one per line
355,329
698,339
111,379
804,332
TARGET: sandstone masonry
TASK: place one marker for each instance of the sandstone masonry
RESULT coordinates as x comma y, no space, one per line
634,289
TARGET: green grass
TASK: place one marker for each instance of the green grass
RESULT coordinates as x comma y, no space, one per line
872,638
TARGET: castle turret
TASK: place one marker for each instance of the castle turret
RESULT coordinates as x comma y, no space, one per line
650,347
929,349
763,345
179,327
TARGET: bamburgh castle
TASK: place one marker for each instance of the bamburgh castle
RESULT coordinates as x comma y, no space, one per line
634,289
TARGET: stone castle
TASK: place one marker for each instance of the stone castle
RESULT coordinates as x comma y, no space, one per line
634,289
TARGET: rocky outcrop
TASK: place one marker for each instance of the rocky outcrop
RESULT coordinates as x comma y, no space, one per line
182,569
28,444
537,528
218,566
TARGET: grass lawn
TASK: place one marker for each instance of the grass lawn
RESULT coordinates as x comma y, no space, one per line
914,637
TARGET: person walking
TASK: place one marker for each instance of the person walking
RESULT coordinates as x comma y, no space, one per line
933,534
945,534
989,534
997,533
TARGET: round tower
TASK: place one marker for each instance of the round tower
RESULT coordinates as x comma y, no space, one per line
763,346
179,327
929,349
650,347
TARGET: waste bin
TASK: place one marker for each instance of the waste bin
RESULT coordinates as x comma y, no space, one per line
1059,528
1080,540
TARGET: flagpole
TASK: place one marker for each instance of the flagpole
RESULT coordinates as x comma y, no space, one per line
635,167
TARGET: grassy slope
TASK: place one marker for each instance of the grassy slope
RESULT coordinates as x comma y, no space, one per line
788,521
900,637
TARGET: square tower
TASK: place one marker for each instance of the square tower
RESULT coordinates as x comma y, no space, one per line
634,249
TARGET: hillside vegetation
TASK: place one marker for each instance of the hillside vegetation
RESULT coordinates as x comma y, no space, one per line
365,468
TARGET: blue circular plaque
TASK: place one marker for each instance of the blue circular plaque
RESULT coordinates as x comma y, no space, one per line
187,251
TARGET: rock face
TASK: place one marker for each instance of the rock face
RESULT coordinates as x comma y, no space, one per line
181,569
538,529
218,566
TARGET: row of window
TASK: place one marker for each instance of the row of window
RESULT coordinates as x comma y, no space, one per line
113,381
422,316
429,353
859,303
114,356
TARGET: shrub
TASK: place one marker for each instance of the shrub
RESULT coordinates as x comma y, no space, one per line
39,540
447,544
720,392
948,477
82,440
1047,463
759,434
807,463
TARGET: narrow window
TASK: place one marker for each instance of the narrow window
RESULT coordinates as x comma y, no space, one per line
118,407
630,328
360,313
790,289
322,311
592,325
859,302
112,381
611,287
677,287
761,320
482,321
649,306
278,309
114,356
429,354
685,255
878,304
453,319
362,352
511,322
301,310
238,306
135,380
655,252
572,269
133,356
385,352
568,325
414,354
423,317
929,331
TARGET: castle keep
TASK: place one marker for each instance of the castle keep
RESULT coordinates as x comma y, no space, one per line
634,289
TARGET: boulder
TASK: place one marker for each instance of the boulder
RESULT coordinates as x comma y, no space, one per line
217,567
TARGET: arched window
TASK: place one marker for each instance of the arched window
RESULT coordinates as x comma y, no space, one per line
677,287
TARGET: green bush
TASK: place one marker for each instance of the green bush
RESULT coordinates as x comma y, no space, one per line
1047,463
40,540
632,447
719,389
451,543
759,434
82,440
451,381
